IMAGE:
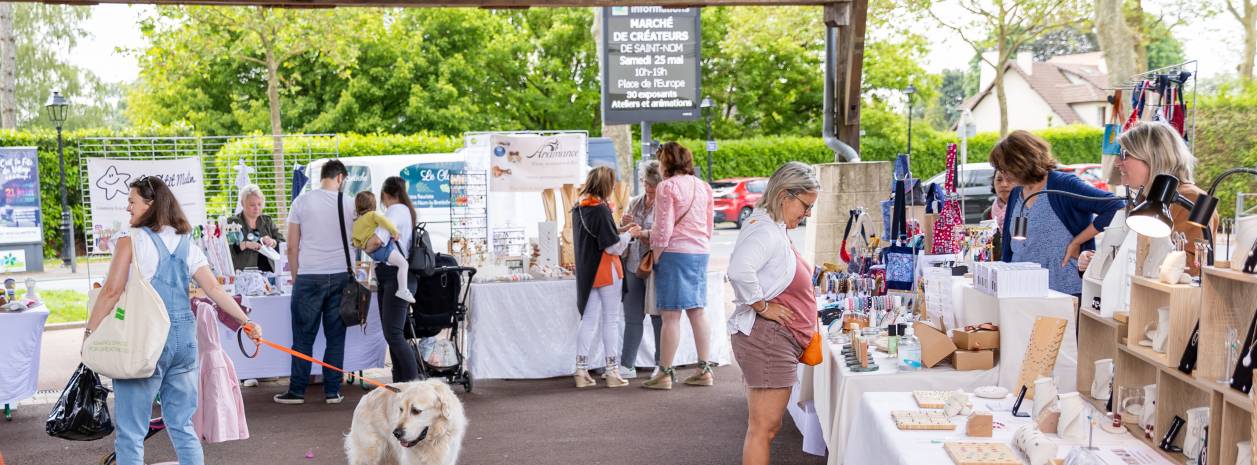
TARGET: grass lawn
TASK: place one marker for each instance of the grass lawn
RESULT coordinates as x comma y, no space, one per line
65,306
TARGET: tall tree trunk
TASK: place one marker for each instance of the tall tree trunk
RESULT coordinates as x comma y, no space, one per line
8,68
620,134
277,131
1250,39
1001,97
1117,41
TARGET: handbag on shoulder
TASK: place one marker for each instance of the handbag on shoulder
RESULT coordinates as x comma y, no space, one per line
355,298
128,343
422,257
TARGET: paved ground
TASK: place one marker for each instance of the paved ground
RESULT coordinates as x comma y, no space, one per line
512,422
515,422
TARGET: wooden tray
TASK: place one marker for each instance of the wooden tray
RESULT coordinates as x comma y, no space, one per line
981,453
922,420
1040,359
930,399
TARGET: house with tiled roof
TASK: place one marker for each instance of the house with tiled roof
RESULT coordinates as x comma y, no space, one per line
1064,90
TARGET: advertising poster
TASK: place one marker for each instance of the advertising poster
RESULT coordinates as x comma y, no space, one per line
20,217
109,187
530,163
429,183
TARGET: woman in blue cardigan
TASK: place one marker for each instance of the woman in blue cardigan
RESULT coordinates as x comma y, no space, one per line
1058,229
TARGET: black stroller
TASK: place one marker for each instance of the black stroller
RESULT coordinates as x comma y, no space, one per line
440,305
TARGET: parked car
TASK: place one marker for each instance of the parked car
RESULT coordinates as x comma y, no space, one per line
736,197
1093,173
974,185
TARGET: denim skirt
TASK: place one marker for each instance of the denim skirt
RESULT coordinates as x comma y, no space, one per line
680,281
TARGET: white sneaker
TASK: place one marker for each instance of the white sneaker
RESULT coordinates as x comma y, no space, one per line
628,373
250,382
405,294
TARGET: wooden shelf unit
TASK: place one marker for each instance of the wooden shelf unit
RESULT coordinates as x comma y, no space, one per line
1226,299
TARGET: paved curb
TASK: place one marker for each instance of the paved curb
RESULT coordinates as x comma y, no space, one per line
70,325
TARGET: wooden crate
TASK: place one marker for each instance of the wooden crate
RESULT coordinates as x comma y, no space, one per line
1174,397
1228,299
1147,296
1235,426
1101,335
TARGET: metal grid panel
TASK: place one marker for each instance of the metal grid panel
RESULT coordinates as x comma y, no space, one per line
219,156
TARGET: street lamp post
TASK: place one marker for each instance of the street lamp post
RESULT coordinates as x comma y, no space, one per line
57,108
706,106
909,91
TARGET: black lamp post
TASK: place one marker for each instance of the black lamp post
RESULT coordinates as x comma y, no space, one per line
57,108
909,91
706,106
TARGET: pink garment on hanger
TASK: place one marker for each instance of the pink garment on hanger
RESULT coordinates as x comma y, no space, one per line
220,414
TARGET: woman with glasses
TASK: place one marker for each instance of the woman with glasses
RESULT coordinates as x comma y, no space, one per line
776,310
680,239
1151,148
1059,227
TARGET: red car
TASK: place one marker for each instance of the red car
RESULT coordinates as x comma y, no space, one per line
1093,173
736,197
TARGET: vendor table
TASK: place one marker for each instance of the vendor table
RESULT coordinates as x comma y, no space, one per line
1016,319
527,330
362,350
884,444
835,392
20,337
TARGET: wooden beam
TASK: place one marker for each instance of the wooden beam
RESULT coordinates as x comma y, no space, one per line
451,3
850,64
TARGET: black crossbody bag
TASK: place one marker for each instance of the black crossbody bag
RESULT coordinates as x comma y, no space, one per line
355,298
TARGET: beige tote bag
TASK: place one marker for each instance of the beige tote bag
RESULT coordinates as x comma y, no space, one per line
130,340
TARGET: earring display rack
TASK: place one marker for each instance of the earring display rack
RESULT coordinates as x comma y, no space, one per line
1226,299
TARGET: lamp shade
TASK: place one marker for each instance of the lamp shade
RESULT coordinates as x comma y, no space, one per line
1202,212
57,106
1152,217
1020,223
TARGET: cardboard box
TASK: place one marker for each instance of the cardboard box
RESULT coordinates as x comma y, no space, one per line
980,425
976,340
966,360
935,345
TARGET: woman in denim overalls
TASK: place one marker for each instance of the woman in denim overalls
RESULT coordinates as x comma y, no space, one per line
155,211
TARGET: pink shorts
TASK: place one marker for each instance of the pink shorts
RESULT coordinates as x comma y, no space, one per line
769,357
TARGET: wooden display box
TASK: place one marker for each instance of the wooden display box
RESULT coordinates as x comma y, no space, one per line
1228,299
1101,339
1146,297
1174,397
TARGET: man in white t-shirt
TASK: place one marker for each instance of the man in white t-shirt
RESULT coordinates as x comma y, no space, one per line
320,271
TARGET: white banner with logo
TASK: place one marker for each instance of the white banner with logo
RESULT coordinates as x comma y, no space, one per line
108,188
530,163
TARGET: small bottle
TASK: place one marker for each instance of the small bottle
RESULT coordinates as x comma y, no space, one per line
909,352
892,340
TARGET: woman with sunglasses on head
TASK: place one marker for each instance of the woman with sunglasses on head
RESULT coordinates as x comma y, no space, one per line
776,309
1059,227
162,244
1151,148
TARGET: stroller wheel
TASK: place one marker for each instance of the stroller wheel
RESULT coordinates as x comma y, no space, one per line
467,382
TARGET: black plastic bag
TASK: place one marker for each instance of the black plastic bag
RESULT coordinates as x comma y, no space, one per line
81,413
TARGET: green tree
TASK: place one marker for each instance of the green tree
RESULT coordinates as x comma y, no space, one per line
1004,26
952,91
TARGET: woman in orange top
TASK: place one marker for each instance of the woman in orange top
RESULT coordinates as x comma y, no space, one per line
599,276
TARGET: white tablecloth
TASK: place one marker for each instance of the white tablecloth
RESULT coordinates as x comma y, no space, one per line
884,444
1016,321
20,337
527,330
362,351
835,393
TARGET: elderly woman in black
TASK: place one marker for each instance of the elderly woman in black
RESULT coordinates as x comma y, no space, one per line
599,276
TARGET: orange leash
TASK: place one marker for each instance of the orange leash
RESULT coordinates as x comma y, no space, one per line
305,357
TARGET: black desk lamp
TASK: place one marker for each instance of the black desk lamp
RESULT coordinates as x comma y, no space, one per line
1152,217
1021,222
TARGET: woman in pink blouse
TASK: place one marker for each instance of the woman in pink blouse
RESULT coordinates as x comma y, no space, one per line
679,240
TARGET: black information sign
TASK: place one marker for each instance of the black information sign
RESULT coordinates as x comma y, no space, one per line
650,69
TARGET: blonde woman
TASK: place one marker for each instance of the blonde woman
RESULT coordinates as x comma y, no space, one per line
1151,148
776,309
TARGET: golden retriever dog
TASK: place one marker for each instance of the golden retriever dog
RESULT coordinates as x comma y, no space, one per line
421,424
